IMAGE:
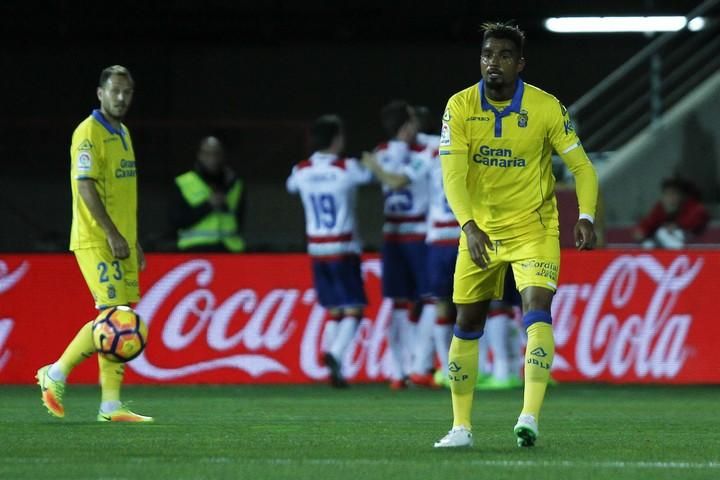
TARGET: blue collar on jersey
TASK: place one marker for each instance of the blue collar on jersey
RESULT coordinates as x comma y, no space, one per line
513,107
97,115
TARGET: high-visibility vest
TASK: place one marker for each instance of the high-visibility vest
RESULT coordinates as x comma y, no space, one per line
216,227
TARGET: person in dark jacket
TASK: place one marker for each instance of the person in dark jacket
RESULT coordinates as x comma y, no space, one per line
207,208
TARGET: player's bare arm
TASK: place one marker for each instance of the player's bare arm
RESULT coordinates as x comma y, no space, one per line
118,244
478,244
392,180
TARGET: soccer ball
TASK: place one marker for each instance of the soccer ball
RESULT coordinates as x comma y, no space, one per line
119,334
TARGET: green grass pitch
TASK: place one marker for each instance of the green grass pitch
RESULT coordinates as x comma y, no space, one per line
366,432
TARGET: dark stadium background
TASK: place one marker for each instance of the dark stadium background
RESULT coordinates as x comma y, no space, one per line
254,73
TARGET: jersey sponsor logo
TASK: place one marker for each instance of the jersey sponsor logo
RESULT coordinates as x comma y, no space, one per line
497,157
522,118
85,145
445,135
84,162
478,119
322,177
127,169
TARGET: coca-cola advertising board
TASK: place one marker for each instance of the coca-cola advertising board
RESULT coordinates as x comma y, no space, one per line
619,316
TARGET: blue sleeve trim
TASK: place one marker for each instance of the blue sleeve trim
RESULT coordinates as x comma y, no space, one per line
535,316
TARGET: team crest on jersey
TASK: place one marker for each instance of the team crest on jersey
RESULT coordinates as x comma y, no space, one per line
84,161
445,135
85,145
446,115
522,118
111,291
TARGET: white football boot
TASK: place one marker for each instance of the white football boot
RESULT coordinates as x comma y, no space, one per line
526,431
457,437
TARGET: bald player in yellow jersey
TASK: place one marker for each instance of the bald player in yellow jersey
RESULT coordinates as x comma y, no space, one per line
103,237
496,145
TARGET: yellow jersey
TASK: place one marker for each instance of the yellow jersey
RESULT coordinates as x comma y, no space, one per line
104,154
496,161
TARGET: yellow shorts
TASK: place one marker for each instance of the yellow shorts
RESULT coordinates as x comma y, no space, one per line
111,281
535,260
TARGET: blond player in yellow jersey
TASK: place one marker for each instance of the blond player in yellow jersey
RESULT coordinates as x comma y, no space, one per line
496,145
103,237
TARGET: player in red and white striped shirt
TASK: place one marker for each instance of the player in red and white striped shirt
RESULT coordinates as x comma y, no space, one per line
435,326
402,167
327,185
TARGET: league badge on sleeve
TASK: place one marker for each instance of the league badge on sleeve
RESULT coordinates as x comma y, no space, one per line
84,161
445,135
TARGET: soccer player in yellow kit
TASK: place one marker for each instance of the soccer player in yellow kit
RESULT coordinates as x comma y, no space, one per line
103,237
496,143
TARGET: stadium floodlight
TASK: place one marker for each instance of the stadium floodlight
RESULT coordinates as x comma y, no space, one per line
622,24
696,24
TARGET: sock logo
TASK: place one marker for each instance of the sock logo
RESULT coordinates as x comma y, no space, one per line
454,367
539,352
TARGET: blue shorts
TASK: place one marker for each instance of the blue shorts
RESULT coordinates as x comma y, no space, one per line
441,269
339,282
404,270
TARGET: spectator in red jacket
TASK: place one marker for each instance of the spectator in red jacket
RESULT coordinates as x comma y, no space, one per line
676,217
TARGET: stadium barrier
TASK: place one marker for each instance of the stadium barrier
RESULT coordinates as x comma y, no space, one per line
635,316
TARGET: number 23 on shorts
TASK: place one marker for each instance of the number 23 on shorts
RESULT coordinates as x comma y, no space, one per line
115,271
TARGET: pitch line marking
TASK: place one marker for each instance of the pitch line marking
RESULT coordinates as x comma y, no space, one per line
511,463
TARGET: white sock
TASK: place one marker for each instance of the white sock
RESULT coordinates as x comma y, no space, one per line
408,332
107,407
343,339
398,317
484,364
329,335
517,343
496,328
442,336
55,373
423,352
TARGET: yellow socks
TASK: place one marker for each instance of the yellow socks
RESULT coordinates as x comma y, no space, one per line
111,377
538,360
462,372
78,350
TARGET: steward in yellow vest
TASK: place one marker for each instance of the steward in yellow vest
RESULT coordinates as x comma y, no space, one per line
207,211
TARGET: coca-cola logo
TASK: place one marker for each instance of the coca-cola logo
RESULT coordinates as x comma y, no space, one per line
621,324
269,323
614,334
8,279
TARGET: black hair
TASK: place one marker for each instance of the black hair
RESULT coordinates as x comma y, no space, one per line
394,115
680,184
506,31
324,131
427,123
115,70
